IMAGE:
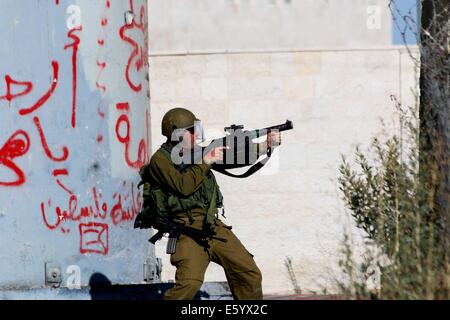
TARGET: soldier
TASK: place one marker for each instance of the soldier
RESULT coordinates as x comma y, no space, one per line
196,188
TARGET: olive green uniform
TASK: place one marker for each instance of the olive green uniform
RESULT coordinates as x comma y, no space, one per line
191,258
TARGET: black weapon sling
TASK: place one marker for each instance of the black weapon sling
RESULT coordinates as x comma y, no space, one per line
254,168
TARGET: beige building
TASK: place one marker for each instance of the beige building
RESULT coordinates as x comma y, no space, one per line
327,65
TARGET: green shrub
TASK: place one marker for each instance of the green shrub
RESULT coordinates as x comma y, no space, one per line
388,199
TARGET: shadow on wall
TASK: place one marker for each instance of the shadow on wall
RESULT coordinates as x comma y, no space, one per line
101,288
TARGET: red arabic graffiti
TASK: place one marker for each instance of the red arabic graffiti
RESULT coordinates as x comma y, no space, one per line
142,156
118,212
101,66
59,183
62,172
97,210
120,215
101,42
28,86
47,151
74,45
16,146
42,100
138,57
94,238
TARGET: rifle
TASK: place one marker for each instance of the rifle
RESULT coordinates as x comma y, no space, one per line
174,229
241,150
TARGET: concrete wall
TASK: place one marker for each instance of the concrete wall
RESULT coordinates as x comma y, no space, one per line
73,80
293,207
204,25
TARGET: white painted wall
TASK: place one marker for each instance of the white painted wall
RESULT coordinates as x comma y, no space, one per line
205,25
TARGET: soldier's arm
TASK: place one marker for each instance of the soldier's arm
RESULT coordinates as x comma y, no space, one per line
185,182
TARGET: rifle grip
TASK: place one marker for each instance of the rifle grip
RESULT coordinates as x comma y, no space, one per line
156,237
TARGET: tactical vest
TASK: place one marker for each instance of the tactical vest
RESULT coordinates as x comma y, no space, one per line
161,202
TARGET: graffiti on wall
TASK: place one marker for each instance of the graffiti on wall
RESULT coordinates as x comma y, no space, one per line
98,213
92,216
16,146
137,61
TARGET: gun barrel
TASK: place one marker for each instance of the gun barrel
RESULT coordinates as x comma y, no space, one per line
288,125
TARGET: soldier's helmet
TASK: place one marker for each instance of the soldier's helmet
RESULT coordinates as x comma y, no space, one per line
177,118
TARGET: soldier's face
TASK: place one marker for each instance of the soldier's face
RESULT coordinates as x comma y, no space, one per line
189,138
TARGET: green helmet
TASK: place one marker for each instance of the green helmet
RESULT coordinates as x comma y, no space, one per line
177,118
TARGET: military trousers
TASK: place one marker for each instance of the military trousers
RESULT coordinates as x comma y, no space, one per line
191,260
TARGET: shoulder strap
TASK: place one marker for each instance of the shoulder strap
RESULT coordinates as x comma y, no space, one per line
257,166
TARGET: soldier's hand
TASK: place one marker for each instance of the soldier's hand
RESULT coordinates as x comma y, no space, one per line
214,155
273,139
